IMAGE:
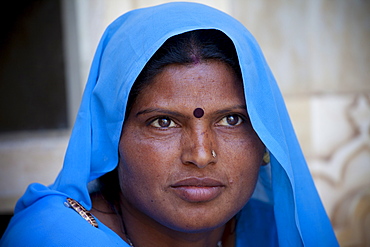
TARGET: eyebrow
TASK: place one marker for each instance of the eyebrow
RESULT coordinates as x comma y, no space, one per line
160,110
178,114
230,109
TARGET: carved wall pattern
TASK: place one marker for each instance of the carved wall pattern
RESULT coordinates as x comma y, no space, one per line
342,177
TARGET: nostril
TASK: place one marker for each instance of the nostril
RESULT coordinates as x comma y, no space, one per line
200,157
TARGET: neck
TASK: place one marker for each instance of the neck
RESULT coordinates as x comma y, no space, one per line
142,230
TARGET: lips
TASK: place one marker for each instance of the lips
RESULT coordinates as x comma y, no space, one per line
198,189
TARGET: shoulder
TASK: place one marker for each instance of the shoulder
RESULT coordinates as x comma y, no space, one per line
256,225
48,222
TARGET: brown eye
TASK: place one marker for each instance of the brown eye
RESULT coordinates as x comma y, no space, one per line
163,122
231,120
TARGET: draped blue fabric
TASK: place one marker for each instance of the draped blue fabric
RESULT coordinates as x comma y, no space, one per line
285,209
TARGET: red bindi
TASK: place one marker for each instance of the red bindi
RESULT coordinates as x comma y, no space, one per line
198,112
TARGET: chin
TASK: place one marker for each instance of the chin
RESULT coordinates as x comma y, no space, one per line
196,222
197,227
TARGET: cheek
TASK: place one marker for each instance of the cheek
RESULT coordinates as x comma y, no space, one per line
243,158
135,166
143,167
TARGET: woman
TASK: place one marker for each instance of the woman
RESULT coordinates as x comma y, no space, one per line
185,137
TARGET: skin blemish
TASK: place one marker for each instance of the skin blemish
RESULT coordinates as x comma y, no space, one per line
195,59
198,112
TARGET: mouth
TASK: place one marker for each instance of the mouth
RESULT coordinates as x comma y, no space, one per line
196,190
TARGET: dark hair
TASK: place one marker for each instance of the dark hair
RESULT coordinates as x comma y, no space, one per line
186,48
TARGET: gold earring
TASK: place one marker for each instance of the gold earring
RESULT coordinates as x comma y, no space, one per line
266,157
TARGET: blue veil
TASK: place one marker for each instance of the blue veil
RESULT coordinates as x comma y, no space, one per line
127,44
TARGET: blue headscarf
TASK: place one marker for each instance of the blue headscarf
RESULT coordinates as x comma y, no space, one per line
298,217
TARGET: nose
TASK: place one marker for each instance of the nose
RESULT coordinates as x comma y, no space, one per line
198,148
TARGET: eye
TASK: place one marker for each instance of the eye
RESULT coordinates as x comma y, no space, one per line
163,122
231,120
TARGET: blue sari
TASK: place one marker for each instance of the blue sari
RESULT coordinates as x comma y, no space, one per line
285,209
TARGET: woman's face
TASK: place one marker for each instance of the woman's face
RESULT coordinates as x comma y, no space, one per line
168,173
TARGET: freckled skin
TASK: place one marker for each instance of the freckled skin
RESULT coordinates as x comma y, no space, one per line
152,159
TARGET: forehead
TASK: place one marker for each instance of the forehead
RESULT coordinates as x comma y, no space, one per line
209,81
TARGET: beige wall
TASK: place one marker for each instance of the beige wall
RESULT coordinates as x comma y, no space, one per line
319,52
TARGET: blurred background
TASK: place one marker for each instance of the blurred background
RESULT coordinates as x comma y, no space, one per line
319,52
